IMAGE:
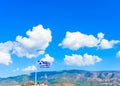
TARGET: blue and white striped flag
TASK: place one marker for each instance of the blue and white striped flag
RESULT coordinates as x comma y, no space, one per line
44,64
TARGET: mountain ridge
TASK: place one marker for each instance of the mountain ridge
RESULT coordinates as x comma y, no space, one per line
78,77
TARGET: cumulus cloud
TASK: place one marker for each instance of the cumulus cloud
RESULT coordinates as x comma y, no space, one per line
37,38
79,60
29,69
76,40
33,45
48,58
118,54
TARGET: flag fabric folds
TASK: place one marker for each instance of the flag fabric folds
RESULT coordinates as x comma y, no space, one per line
44,64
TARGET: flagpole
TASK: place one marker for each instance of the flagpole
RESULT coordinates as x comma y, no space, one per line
36,76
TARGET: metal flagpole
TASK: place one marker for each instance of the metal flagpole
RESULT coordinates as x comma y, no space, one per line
36,76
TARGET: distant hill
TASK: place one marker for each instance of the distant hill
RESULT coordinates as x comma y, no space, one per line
76,77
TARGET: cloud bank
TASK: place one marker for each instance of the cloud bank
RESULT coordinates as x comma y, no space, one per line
39,38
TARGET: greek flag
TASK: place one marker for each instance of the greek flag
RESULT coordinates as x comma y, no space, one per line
44,64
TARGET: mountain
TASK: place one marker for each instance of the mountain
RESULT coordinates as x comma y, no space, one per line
76,77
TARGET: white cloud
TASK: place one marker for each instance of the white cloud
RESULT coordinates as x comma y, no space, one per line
76,40
29,69
118,54
16,70
35,44
48,58
84,60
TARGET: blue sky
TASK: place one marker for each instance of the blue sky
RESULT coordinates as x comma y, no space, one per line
71,34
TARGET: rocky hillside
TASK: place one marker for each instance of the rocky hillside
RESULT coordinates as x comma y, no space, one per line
76,77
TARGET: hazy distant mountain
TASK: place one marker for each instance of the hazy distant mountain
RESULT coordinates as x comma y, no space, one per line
77,77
